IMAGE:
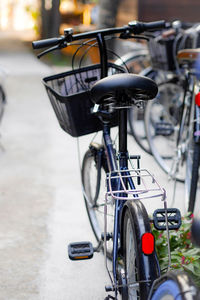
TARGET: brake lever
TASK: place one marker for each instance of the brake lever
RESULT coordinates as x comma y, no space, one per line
57,47
128,35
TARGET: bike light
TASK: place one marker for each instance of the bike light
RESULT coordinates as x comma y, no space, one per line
148,243
197,99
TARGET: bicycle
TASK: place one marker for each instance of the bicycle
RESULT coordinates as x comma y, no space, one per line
169,121
132,60
119,220
189,140
163,69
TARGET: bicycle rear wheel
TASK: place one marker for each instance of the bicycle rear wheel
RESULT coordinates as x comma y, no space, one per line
140,269
192,167
94,168
174,286
136,116
161,124
192,176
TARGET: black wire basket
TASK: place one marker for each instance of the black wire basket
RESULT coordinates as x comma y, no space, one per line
69,94
161,53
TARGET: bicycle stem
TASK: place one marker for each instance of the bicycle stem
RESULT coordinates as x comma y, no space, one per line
103,55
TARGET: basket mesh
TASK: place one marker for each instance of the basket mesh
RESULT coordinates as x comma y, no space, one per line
161,52
69,94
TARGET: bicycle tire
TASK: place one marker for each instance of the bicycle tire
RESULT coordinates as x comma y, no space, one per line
174,286
139,268
92,189
192,162
164,110
192,175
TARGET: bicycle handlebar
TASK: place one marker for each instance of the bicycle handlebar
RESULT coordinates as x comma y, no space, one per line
133,27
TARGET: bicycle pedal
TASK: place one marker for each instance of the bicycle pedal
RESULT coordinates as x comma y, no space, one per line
109,297
163,128
173,218
80,250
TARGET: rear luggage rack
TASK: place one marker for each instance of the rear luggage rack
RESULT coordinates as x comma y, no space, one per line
123,189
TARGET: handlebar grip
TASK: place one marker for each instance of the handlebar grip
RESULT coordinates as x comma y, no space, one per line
140,27
155,25
46,43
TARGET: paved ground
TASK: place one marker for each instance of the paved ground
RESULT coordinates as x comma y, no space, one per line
40,210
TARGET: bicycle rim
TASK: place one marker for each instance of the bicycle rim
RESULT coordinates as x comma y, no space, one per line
192,176
140,270
192,163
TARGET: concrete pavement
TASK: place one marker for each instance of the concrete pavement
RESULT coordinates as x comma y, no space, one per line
41,210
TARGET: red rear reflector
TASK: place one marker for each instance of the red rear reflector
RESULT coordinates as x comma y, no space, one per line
197,99
148,243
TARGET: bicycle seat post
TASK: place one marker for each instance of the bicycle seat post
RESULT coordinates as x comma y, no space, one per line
123,137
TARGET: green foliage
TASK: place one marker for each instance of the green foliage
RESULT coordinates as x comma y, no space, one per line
184,254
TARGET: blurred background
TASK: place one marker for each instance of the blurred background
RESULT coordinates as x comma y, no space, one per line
45,18
36,19
40,211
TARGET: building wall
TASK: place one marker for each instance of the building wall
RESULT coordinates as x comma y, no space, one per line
127,11
185,10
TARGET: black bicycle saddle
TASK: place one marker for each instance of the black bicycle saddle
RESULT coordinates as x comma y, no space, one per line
134,86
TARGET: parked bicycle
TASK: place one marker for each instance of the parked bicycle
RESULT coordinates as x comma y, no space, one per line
142,60
95,98
161,65
172,119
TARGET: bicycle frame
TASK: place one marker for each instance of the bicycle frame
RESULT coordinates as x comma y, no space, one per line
113,166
